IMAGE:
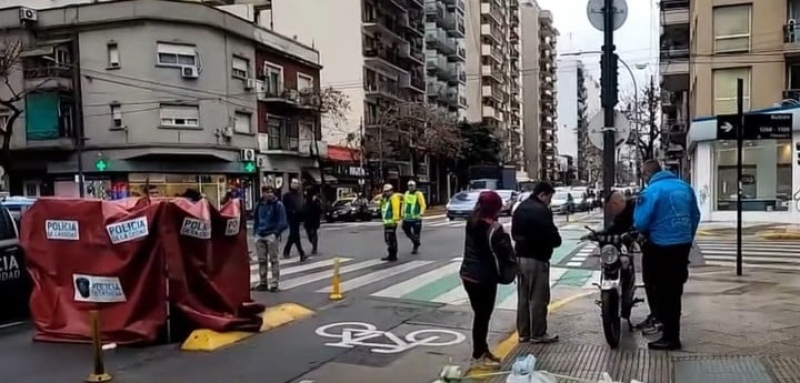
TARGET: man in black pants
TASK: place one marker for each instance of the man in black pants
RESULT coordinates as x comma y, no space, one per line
312,219
667,213
295,207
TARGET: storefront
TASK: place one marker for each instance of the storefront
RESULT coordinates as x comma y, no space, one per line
770,174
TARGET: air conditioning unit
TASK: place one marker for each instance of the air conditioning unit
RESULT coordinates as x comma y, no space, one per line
190,71
250,84
248,155
27,14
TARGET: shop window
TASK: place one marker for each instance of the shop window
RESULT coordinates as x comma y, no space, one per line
766,175
725,81
212,186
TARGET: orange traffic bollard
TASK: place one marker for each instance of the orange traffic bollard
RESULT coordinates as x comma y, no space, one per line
99,374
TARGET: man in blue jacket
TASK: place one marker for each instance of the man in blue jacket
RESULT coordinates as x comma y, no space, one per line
269,221
668,215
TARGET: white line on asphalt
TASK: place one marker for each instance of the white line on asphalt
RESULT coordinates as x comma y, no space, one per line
401,289
575,263
763,260
747,253
284,262
377,276
302,267
318,276
456,259
754,265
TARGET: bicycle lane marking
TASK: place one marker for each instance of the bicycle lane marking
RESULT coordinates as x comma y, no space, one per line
359,334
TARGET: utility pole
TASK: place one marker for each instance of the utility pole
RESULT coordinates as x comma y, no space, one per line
80,140
609,98
652,102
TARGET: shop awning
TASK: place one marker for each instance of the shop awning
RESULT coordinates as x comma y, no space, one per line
316,175
342,154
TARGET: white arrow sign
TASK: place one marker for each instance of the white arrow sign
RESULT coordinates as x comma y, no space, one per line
727,127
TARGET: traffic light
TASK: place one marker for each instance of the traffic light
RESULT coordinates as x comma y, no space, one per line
249,166
609,89
101,165
797,150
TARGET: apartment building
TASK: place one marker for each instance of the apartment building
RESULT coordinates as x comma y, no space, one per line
445,55
757,42
170,96
573,113
530,89
515,80
548,103
674,70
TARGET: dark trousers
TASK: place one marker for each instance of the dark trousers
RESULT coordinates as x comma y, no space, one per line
312,232
672,263
413,230
390,236
482,297
294,240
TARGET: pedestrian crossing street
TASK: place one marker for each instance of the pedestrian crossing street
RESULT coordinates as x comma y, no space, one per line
412,280
442,222
756,254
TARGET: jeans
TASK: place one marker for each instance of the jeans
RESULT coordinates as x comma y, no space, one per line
533,297
413,230
672,263
390,237
294,239
267,251
649,275
482,297
313,236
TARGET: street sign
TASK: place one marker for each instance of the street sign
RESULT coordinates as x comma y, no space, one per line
757,126
594,10
621,125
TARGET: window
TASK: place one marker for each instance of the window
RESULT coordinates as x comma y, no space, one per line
176,55
732,28
241,122
116,115
113,55
274,79
240,68
304,82
766,175
180,116
725,89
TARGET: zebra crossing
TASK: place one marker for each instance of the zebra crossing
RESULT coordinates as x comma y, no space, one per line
582,254
413,280
756,254
442,222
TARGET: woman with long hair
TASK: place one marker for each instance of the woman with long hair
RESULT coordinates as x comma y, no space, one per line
486,247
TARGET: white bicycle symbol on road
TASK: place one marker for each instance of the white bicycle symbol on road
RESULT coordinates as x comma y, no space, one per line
352,334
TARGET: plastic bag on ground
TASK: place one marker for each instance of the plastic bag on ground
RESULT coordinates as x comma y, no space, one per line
524,371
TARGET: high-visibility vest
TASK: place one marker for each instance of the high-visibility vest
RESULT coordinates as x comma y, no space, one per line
387,214
412,208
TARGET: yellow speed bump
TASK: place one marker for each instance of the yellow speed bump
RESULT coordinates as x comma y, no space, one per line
273,317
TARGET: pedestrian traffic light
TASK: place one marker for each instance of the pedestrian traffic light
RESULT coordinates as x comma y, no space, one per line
249,166
101,165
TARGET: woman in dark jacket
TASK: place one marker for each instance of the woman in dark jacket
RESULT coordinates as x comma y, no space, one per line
313,216
486,246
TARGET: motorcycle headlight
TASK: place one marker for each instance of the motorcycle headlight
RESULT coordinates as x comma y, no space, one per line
609,254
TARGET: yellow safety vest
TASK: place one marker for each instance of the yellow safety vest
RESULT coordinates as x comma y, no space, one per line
387,215
412,208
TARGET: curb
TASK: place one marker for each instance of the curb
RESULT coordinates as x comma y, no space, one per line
503,349
205,340
778,235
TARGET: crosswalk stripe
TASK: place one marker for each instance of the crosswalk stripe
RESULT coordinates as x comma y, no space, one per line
300,268
318,276
751,259
406,287
747,265
377,276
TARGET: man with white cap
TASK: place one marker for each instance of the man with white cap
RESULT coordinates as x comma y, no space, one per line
390,216
413,209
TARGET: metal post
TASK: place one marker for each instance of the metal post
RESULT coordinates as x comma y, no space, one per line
609,101
739,142
80,140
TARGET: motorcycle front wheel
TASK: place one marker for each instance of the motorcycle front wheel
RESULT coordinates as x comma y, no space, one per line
609,301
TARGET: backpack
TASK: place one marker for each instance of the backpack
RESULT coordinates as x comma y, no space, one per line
507,269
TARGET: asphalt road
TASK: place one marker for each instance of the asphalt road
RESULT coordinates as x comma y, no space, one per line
417,308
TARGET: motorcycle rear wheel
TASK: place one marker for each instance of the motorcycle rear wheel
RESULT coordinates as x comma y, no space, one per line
609,301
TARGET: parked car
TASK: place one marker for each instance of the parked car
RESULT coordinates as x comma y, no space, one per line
462,204
347,210
509,198
522,196
375,206
17,206
15,283
562,202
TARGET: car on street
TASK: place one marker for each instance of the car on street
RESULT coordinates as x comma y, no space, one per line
562,202
347,210
509,198
375,206
522,196
17,206
462,204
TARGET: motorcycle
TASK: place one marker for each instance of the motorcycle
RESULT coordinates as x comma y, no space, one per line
617,283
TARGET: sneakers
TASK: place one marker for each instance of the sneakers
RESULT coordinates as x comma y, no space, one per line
487,360
545,339
266,287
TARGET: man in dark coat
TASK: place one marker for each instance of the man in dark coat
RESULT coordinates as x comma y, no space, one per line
294,203
313,216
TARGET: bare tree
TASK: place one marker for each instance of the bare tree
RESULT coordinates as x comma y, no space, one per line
645,117
331,105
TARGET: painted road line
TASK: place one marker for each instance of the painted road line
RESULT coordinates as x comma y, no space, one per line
284,262
510,302
580,257
318,276
377,276
456,259
302,267
776,259
760,266
404,288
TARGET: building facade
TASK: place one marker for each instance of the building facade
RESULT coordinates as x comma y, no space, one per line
674,71
548,102
748,41
531,84
166,95
445,55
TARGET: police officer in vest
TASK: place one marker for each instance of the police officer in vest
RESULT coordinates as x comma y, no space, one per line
390,215
413,210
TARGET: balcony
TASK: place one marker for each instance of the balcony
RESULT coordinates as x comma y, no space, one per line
459,5
417,83
675,68
791,39
454,73
434,11
487,30
436,63
451,98
281,143
436,38
494,92
383,59
495,54
674,12
494,72
459,54
48,76
436,90
385,89
491,113
451,22
490,9
387,26
462,102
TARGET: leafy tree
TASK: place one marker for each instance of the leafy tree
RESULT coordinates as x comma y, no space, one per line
479,145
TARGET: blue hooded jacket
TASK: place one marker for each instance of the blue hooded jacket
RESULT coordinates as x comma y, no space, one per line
667,210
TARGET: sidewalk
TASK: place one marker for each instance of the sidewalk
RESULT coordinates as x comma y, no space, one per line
763,230
734,329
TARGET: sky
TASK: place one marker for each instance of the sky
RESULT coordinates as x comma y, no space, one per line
636,41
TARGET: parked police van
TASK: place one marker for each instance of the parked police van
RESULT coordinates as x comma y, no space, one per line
15,283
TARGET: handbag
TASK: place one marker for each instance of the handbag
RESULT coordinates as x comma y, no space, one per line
507,269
